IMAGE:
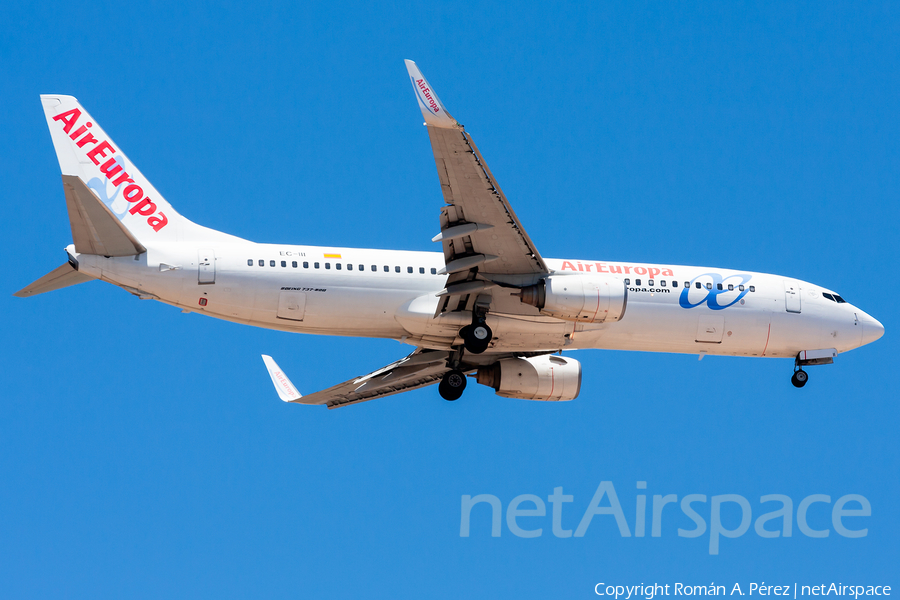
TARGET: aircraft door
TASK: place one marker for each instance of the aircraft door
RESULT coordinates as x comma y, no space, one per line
710,328
206,266
291,305
792,295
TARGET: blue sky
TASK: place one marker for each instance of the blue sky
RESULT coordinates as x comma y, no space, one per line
143,452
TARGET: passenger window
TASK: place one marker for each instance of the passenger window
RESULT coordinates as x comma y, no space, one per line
284,263
637,282
336,266
316,265
674,284
730,287
662,282
262,263
740,287
327,265
374,268
305,264
650,282
387,269
718,286
687,284
349,266
628,282
421,270
294,263
249,262
409,269
271,263
397,269
362,267
433,271
698,285
752,288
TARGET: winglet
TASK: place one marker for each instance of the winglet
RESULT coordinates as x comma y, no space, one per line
432,109
284,387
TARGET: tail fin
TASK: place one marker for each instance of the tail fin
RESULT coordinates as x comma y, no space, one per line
131,213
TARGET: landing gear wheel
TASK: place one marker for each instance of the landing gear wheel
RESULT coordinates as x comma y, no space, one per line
452,385
476,337
799,378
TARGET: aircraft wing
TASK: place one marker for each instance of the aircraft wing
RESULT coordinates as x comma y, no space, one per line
419,369
484,241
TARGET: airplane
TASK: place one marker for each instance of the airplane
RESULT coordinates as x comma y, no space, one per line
488,307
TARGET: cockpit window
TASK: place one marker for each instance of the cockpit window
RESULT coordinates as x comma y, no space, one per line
829,296
839,299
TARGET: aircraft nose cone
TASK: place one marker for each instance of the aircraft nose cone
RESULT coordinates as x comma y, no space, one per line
871,329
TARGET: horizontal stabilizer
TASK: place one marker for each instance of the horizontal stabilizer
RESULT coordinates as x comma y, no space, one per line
59,277
284,387
95,229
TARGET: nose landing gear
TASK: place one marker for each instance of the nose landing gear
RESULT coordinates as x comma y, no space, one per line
806,358
799,378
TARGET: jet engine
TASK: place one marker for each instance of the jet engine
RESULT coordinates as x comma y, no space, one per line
547,377
580,298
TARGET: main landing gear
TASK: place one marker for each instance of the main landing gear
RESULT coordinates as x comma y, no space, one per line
477,336
452,385
799,378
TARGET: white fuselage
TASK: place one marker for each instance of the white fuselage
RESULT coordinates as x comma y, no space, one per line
392,294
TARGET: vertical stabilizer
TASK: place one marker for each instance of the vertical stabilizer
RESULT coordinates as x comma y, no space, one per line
87,153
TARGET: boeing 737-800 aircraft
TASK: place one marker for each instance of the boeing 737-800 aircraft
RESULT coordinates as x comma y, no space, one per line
488,306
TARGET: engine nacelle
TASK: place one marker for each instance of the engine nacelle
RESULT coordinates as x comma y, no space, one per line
547,377
581,298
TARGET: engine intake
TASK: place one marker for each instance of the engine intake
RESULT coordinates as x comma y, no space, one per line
547,377
581,298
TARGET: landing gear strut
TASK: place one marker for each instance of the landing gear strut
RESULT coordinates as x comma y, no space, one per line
477,336
452,385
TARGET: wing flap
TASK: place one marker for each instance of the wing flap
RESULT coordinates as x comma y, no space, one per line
419,369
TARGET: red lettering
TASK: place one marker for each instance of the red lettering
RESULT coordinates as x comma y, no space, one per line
580,267
81,130
88,139
615,269
133,193
601,268
157,223
122,179
101,149
106,168
145,207
667,272
627,270
588,267
652,272
567,265
68,118
640,271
